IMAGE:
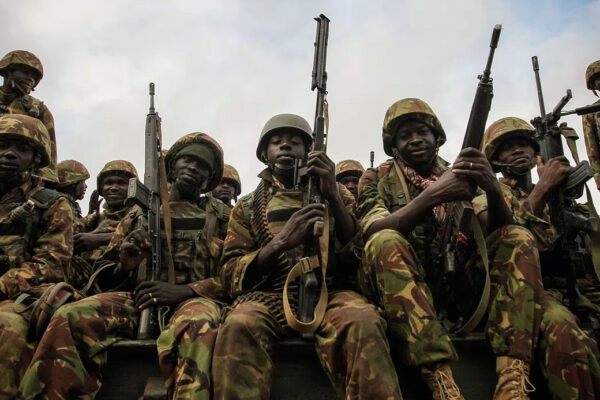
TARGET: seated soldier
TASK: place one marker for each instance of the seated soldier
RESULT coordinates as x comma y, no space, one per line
189,305
348,173
403,214
591,122
265,239
36,238
568,357
94,232
230,186
71,182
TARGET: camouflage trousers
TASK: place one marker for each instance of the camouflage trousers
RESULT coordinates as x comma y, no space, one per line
15,350
350,343
70,356
568,358
392,276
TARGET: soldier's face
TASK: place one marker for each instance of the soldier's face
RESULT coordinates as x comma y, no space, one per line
15,157
21,80
416,143
114,190
518,152
80,189
190,173
351,183
284,148
596,83
224,191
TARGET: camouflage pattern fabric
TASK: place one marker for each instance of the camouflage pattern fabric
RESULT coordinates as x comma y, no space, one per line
592,70
29,130
395,273
21,57
71,172
348,167
591,134
242,366
230,173
81,331
28,257
116,167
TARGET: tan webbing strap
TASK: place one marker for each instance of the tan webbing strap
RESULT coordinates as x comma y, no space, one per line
402,181
307,264
326,116
166,211
570,136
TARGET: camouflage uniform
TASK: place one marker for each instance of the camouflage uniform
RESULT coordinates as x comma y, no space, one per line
80,332
350,341
71,172
396,270
591,125
567,356
11,103
348,168
35,248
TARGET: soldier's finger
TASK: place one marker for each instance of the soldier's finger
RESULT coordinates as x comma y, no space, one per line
319,171
308,208
312,214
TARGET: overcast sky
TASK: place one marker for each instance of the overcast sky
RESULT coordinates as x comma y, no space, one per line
225,67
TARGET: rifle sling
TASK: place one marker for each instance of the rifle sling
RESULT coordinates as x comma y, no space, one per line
305,265
402,181
166,209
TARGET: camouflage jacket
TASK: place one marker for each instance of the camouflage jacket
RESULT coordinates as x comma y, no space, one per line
591,134
35,246
545,234
76,208
29,105
242,244
383,196
197,237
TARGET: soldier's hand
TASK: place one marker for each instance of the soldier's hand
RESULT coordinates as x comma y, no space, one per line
134,249
320,164
473,164
554,173
86,241
299,226
95,201
450,187
155,293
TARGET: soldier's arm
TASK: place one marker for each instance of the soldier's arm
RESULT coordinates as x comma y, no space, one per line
52,252
592,144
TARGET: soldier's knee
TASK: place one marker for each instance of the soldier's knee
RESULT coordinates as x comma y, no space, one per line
244,319
516,235
558,316
383,239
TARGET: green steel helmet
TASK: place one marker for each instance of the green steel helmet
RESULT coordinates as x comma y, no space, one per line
71,172
17,58
231,174
115,167
48,174
503,129
592,71
406,109
348,167
278,122
29,130
209,151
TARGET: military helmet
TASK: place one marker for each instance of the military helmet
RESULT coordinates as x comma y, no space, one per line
403,110
348,167
592,71
115,166
278,122
503,129
30,130
231,174
71,172
22,57
204,139
48,174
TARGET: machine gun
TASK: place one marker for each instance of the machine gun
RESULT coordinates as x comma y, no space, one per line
571,224
147,196
461,217
372,158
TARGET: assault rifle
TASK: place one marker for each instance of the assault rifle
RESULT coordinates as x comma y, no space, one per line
571,224
460,215
372,158
147,196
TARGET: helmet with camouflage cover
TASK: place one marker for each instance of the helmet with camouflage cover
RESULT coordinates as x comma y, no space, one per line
115,166
278,122
231,174
213,150
348,167
406,109
71,172
502,129
48,174
29,130
17,58
591,72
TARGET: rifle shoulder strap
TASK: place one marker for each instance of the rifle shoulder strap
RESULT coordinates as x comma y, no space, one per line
166,211
402,181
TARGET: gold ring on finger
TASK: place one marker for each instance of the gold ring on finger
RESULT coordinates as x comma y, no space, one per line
471,165
150,294
154,300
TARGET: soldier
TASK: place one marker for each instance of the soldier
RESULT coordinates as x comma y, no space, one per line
347,173
71,182
81,331
95,231
591,122
402,216
22,71
36,237
265,235
230,186
568,357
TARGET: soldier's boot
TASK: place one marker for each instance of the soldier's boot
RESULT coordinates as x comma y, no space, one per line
440,381
513,379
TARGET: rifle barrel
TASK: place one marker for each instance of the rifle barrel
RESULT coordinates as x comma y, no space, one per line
556,112
493,44
592,108
538,83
